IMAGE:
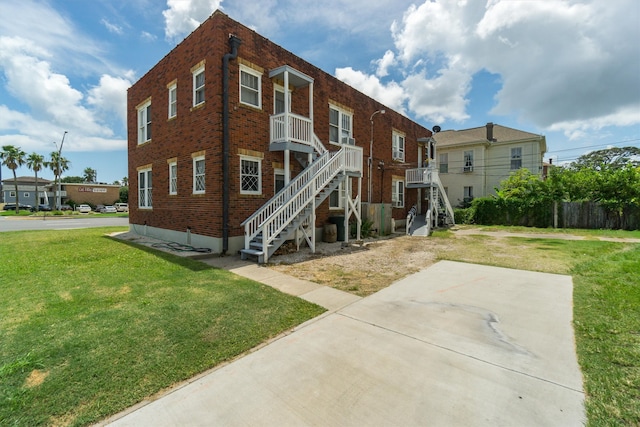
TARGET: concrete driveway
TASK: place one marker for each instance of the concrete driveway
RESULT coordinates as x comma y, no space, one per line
455,344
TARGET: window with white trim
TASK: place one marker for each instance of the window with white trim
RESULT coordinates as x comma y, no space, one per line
278,99
144,122
278,180
398,146
468,194
144,188
340,130
468,161
12,194
397,193
250,87
516,158
250,175
26,195
444,162
336,198
198,86
173,100
198,175
173,178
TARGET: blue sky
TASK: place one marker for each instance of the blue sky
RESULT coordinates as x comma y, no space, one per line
569,70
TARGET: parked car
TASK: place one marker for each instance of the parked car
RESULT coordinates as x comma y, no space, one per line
83,208
122,207
108,209
45,208
99,208
12,207
65,208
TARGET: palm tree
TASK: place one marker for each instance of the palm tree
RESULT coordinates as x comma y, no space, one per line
35,162
13,157
125,181
58,164
90,175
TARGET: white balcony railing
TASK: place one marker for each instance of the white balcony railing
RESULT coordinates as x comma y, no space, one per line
299,128
420,176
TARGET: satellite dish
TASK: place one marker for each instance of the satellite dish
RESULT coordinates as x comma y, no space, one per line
436,129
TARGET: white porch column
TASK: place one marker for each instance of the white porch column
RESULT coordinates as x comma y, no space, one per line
287,171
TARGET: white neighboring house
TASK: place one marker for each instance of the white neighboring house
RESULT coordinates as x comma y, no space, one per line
473,162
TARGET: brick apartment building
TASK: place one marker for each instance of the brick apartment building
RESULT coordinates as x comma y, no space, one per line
219,157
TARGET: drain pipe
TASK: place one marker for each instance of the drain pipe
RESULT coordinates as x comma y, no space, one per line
234,43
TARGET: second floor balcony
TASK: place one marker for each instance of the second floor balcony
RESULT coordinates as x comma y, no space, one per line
420,177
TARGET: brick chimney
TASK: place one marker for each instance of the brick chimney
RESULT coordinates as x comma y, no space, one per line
490,132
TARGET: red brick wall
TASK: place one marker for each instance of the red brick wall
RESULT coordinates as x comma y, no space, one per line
201,129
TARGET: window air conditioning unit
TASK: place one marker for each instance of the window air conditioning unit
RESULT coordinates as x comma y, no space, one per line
468,169
348,141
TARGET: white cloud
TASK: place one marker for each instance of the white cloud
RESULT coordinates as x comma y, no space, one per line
146,36
112,28
184,16
391,95
387,61
110,95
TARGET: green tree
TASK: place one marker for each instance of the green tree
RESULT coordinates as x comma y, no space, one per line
58,164
90,175
73,179
125,181
608,158
124,194
13,157
36,162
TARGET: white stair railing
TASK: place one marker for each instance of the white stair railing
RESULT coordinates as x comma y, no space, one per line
436,180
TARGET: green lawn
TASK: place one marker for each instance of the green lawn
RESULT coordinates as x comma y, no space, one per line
91,325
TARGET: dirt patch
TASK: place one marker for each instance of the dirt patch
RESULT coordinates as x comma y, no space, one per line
35,378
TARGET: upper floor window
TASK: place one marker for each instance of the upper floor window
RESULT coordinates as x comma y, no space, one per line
340,131
173,177
144,122
468,161
398,146
516,158
444,162
198,85
278,99
144,188
173,100
250,87
198,175
250,175
397,193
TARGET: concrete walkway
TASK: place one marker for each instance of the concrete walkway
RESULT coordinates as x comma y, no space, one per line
455,344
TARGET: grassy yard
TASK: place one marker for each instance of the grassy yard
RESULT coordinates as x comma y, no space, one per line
91,325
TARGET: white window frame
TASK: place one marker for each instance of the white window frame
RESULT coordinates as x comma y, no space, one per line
248,89
198,89
26,195
12,194
339,192
276,90
199,175
397,193
277,173
398,146
258,175
468,161
144,122
343,127
173,178
443,163
145,195
173,100
516,158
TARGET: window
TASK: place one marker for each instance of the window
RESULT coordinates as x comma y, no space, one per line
444,163
173,177
250,175
398,146
468,161
198,175
278,99
336,198
397,193
468,194
340,126
516,158
144,122
250,87
26,195
278,176
12,194
144,188
173,100
198,85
